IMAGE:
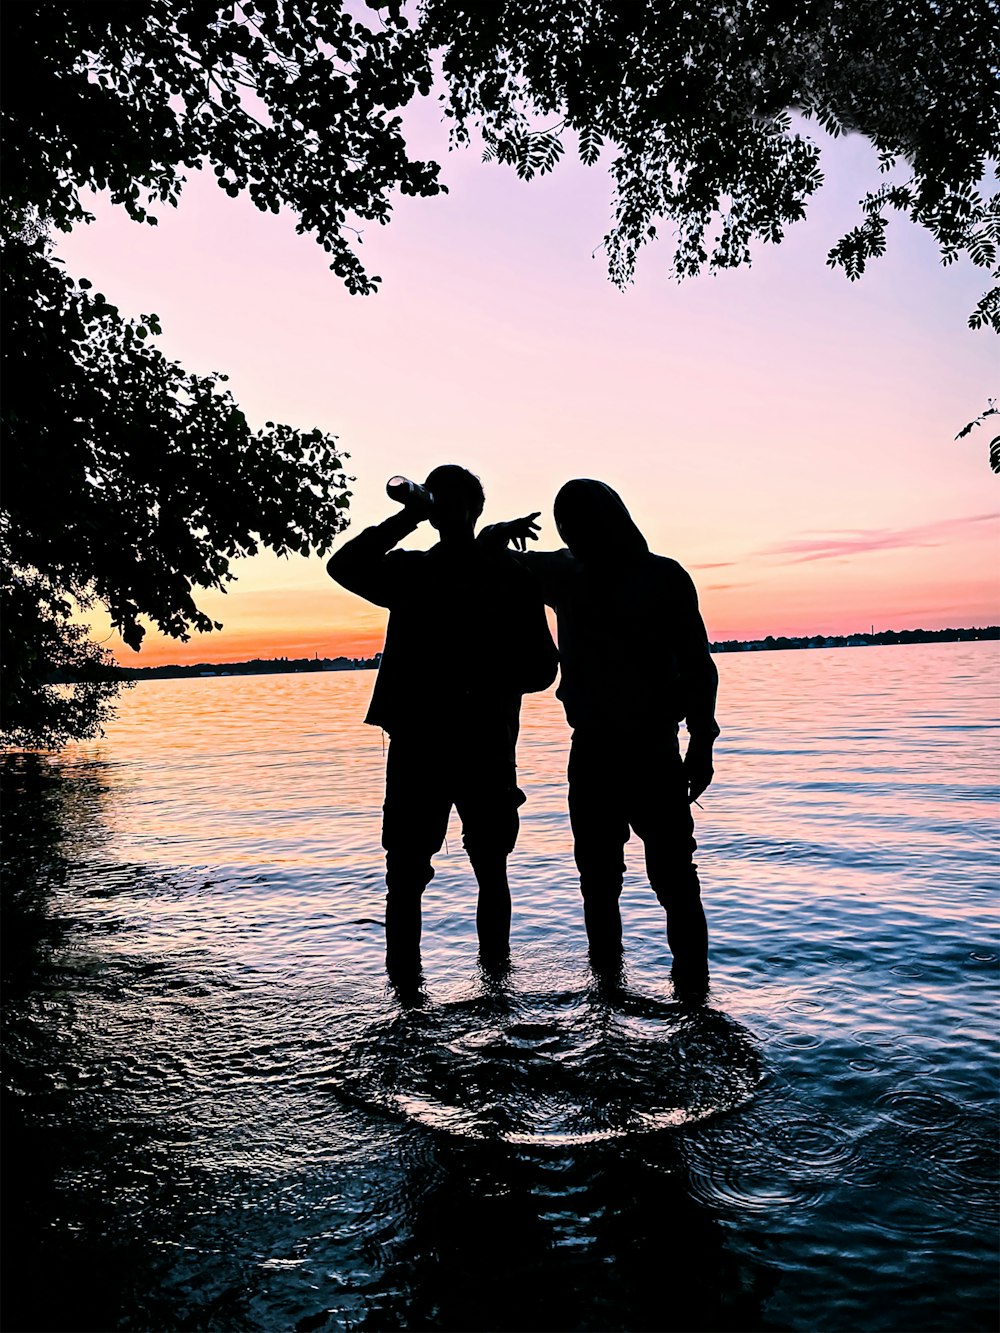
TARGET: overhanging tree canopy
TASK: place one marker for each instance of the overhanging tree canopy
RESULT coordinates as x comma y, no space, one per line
298,105
695,102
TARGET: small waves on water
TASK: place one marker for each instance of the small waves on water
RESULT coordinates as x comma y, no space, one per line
221,1117
545,1070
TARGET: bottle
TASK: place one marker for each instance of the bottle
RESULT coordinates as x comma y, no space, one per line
406,492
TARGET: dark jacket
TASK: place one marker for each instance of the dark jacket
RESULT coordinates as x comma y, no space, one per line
633,649
467,634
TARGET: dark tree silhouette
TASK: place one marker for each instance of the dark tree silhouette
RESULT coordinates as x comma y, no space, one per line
129,482
695,106
133,482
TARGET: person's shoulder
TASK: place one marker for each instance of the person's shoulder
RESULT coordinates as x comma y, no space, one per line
530,560
407,568
553,571
669,568
672,577
556,561
400,555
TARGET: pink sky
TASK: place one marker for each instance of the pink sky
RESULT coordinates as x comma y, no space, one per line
785,434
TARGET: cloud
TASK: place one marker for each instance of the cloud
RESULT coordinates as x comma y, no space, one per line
860,540
714,564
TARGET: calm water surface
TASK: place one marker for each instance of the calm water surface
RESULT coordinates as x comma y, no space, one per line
221,1118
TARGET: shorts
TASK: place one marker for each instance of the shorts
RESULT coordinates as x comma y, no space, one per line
427,774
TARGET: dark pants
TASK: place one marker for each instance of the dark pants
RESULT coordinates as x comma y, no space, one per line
426,774
618,784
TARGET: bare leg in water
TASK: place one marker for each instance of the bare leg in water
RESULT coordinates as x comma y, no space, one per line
673,877
403,914
406,877
493,910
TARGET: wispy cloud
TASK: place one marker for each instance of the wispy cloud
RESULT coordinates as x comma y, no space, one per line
861,540
714,564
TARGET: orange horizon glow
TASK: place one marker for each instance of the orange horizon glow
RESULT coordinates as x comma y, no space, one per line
222,647
237,647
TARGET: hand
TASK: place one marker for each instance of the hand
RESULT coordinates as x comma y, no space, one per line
698,768
406,520
518,531
418,506
412,496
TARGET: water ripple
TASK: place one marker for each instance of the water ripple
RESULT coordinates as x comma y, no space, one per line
551,1070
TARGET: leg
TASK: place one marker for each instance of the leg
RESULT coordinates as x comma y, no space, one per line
415,819
662,818
487,798
405,880
600,831
493,909
677,887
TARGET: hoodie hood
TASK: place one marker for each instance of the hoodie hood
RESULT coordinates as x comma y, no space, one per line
595,525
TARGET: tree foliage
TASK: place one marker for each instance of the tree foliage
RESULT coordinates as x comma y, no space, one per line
153,479
292,103
134,482
298,105
41,646
695,104
990,410
126,479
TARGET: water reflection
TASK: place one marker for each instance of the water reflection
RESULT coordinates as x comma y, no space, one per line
602,1236
218,1117
61,1168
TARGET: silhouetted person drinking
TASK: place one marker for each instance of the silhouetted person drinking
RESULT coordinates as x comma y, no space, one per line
466,638
635,662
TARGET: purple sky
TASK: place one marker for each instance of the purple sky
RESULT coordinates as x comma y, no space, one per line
786,434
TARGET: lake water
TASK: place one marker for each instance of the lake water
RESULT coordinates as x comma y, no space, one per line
221,1117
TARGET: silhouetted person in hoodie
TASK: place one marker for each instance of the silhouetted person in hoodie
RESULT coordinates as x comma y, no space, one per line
466,638
616,603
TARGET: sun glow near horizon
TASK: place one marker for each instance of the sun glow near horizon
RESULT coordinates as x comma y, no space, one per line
785,434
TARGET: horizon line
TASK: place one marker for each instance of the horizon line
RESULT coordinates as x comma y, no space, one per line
364,657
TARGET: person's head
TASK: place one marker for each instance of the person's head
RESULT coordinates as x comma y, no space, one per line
458,498
594,523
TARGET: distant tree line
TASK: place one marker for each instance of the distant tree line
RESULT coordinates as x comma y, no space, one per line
886,636
256,666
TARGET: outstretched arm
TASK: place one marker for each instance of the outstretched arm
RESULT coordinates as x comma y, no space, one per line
516,532
549,569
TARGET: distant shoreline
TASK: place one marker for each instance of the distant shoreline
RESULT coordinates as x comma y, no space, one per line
278,666
881,639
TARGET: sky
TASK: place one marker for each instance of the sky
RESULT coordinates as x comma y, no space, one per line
785,434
